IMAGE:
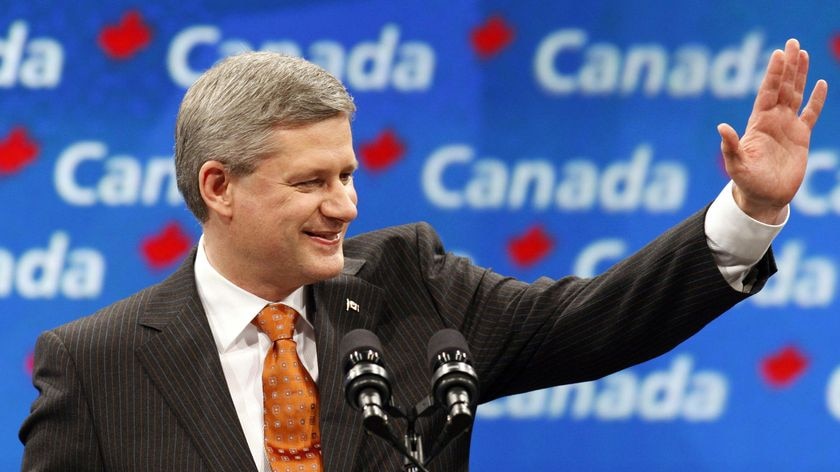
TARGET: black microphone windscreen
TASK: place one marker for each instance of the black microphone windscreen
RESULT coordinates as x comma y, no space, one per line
445,340
358,339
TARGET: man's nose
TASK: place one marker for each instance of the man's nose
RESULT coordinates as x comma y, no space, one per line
341,203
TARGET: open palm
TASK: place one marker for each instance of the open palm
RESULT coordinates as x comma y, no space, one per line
768,163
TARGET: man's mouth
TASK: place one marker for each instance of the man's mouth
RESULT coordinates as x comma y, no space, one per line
326,236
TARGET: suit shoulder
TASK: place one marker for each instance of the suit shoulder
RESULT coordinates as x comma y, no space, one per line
179,286
103,321
117,323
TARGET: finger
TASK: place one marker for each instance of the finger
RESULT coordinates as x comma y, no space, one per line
729,142
815,104
786,93
801,77
768,92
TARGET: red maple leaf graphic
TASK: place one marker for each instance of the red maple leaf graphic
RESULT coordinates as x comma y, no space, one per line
165,247
531,247
383,151
783,368
29,363
491,37
835,46
16,150
126,38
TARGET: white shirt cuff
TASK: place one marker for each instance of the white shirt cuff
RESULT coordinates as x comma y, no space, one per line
737,241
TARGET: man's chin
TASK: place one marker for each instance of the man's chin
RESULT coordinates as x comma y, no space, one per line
328,270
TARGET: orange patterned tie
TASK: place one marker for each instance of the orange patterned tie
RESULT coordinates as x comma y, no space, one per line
290,397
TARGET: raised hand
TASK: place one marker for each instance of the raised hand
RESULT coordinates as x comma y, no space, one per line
768,163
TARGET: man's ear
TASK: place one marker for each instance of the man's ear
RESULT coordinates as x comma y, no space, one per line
214,183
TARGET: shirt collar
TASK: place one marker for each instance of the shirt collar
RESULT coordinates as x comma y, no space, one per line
229,308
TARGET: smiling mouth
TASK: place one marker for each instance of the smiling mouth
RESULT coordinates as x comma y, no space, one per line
326,236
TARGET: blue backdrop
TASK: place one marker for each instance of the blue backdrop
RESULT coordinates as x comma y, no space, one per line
537,137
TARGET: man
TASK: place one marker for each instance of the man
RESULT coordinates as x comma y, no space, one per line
179,376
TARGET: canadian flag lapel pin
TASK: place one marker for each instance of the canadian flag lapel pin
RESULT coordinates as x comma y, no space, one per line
351,305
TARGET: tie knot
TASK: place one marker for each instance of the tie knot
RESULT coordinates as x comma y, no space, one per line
277,321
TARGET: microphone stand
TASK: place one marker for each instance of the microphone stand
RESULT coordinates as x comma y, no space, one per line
375,422
413,441
412,446
367,388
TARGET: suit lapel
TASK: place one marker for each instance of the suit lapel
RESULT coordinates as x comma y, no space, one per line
182,360
341,304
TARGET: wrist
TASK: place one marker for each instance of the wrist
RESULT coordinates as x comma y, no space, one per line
765,213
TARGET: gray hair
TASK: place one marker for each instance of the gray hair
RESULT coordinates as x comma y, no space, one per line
229,113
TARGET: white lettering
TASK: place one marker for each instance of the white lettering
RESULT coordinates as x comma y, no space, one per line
177,59
647,68
688,78
623,186
46,273
615,401
7,273
807,282
551,47
675,393
734,70
432,178
37,64
640,58
370,62
367,66
660,395
589,261
810,200
832,394
122,180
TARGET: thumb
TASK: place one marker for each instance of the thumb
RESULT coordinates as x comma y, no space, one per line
730,143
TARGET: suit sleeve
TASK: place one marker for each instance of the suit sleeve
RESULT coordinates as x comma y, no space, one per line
58,435
552,332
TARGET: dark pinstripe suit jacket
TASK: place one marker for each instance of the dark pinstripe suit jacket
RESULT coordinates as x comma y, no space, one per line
139,386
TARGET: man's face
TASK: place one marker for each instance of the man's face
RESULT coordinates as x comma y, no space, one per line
291,214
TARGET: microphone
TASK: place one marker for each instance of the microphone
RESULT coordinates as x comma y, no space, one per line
454,383
367,386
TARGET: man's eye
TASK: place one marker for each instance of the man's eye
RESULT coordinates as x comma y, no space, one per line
314,183
346,178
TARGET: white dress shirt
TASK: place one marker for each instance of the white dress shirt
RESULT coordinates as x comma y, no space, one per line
737,242
242,347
